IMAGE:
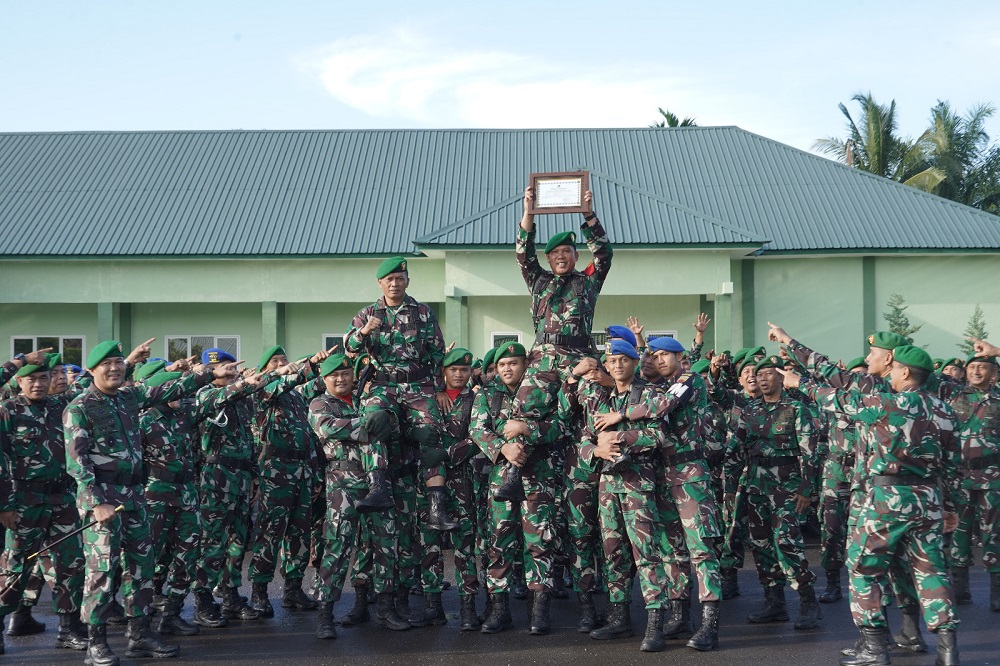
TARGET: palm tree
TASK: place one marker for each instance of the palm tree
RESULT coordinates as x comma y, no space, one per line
873,145
960,149
671,120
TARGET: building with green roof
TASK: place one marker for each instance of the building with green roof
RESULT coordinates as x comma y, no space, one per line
242,239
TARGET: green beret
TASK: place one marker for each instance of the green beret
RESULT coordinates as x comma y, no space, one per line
701,366
915,357
268,353
744,363
769,362
333,364
161,378
754,352
391,265
106,349
981,359
360,362
565,238
887,340
510,350
457,356
740,354
488,359
938,363
858,362
148,370
29,369
477,364
957,362
54,359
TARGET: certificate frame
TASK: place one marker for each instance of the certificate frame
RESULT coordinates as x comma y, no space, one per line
560,198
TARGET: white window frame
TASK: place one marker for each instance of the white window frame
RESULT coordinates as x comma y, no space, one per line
34,346
339,336
215,343
494,334
652,335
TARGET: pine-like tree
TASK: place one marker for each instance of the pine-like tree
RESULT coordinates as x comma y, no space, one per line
976,328
897,319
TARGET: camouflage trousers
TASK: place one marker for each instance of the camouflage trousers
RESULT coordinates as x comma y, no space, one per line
537,396
224,515
37,526
774,533
37,579
893,519
317,540
833,524
342,534
982,506
532,520
391,412
734,520
462,507
176,533
125,541
482,470
689,529
584,531
898,585
631,541
284,517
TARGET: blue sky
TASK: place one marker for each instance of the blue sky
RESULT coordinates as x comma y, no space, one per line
775,68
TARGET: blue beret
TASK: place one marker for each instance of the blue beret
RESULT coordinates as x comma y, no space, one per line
216,355
666,343
616,347
75,369
623,333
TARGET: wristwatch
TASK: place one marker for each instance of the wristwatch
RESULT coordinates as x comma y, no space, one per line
20,357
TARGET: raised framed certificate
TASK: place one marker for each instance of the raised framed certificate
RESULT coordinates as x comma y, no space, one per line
559,192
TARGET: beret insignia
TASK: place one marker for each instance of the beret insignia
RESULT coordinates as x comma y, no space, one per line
871,339
402,266
510,349
119,346
213,357
467,359
365,360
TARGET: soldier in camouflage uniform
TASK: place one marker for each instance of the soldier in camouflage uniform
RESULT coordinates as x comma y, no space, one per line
36,502
914,466
562,311
334,419
775,440
495,430
104,455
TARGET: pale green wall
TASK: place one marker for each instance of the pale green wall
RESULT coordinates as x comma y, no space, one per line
62,319
158,320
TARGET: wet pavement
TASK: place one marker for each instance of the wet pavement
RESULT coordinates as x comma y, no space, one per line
289,638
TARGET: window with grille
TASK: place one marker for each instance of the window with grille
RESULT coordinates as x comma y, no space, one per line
183,346
504,337
333,341
70,346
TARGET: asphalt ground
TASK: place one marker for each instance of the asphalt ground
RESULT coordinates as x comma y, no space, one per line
289,637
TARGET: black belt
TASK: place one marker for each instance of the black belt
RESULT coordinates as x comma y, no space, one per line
981,463
133,478
844,459
171,477
402,376
50,487
231,462
581,342
344,466
774,461
287,454
680,458
883,480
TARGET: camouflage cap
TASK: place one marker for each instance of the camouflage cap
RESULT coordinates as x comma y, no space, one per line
564,238
915,357
769,362
457,356
510,350
391,265
334,363
858,362
701,366
106,349
149,369
269,353
887,340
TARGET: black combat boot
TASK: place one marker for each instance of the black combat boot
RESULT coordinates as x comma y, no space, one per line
386,614
707,636
259,601
653,641
518,588
379,497
235,606
142,643
294,597
325,628
809,611
499,617
618,623
995,592
558,585
432,613
679,625
730,584
833,591
98,652
117,613
870,651
206,611
540,624
437,512
909,636
468,617
511,489
22,624
72,634
401,601
947,648
488,609
171,622
960,583
588,612
159,600
359,613
774,609
3,648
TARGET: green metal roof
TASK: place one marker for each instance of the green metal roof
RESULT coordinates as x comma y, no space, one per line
377,192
